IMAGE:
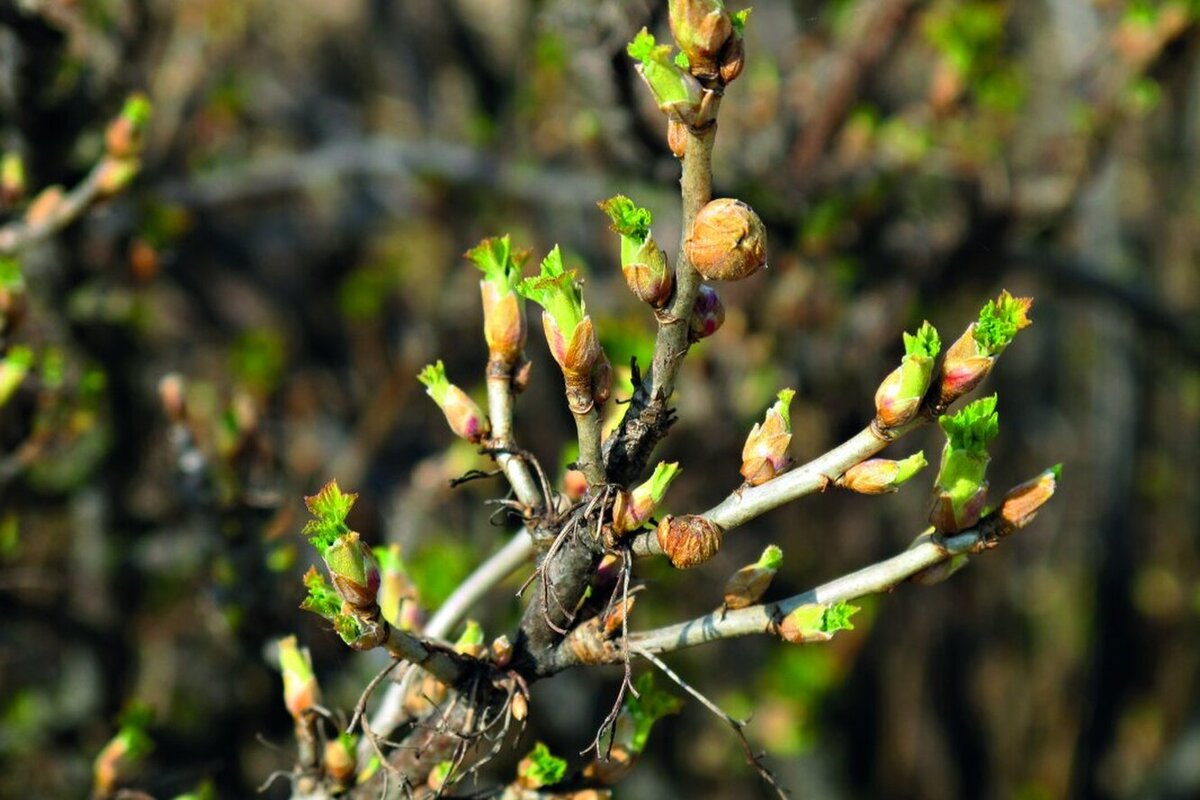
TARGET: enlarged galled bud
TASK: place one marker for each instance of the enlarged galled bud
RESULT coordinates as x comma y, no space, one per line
677,93
643,262
632,509
1021,504
300,690
765,453
899,396
749,583
688,541
569,332
124,135
701,29
960,489
504,325
339,758
969,360
463,415
882,475
708,314
353,570
727,241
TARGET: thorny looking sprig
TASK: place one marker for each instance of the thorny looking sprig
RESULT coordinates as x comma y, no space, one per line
562,627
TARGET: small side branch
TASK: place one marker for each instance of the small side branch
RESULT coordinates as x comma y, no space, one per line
18,234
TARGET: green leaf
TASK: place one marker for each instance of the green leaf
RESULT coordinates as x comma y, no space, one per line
738,19
643,45
837,617
543,768
999,321
783,407
972,428
433,376
10,274
329,508
497,260
650,705
664,473
628,218
472,634
556,290
925,343
681,60
322,600
771,558
908,467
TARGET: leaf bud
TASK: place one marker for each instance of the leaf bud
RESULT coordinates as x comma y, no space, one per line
504,325
123,755
960,489
44,207
899,396
733,56
471,642
300,689
114,174
1021,504
750,583
502,651
971,358
14,366
463,415
676,92
399,600
632,509
708,314
540,768
643,262
574,485
125,134
882,475
727,241
340,758
765,453
353,570
701,29
816,622
688,541
677,134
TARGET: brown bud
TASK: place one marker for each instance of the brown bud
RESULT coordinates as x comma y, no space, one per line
574,485
1022,502
701,28
339,760
947,519
727,241
964,367
677,134
519,708
733,59
171,395
689,540
502,651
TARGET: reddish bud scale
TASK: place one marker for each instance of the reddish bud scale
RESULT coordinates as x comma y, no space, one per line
353,571
765,453
504,326
677,134
464,416
948,518
701,29
747,585
1022,502
578,358
964,367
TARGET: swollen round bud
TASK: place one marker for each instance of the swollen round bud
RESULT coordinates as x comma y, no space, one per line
708,314
727,241
690,540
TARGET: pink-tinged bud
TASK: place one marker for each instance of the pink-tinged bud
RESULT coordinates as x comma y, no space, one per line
1021,504
504,326
353,570
970,359
749,583
882,475
727,241
951,514
941,571
12,179
633,509
688,541
960,488
44,207
650,279
708,314
300,690
963,368
574,485
701,29
340,760
465,418
577,357
900,395
765,453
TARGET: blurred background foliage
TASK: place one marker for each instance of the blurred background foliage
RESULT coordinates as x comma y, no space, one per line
313,172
